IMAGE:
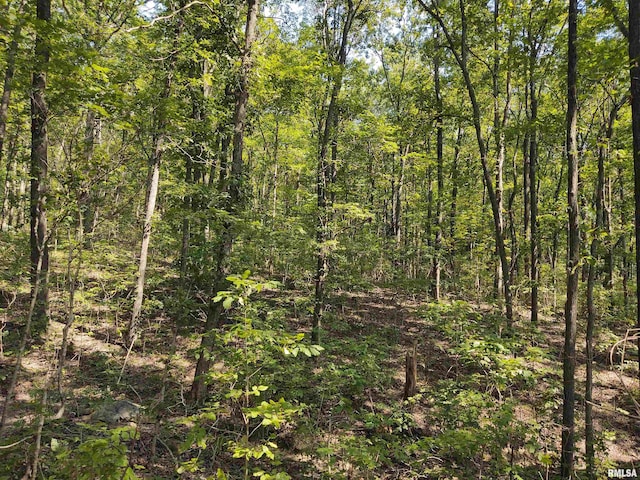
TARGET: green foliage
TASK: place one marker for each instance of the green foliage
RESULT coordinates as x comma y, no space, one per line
104,456
242,382
123,75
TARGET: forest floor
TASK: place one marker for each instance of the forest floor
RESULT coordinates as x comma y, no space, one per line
488,404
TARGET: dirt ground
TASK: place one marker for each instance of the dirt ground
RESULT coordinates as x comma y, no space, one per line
96,358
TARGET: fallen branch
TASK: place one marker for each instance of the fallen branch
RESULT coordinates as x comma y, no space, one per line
624,341
14,444
614,410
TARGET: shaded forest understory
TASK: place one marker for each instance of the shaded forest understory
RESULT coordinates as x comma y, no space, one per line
487,404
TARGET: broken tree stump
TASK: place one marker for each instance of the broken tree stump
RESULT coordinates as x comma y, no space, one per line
411,372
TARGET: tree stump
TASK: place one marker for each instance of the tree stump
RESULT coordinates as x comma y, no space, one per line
411,372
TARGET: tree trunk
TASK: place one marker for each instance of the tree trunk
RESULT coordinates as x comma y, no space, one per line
555,243
276,145
514,267
11,197
526,191
454,188
634,57
9,73
591,317
461,59
88,202
398,202
324,176
623,243
186,223
608,257
233,203
573,266
411,373
498,130
603,152
18,217
193,173
428,227
153,181
440,176
39,175
532,176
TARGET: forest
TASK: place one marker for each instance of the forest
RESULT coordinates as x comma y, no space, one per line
320,239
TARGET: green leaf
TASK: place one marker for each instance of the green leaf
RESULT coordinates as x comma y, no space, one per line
545,459
55,445
220,475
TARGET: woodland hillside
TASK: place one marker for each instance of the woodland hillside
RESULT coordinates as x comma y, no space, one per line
339,239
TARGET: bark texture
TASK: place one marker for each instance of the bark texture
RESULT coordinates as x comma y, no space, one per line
233,186
573,266
39,167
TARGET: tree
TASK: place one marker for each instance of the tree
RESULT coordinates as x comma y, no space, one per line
462,59
233,187
328,126
437,260
153,181
573,257
39,171
7,89
634,57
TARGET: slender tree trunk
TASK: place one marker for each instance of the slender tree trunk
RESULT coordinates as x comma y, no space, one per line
153,181
88,201
10,197
573,266
333,169
591,320
197,163
323,175
623,243
461,59
603,151
276,145
533,181
398,202
19,209
454,208
233,204
514,266
634,57
391,230
607,214
555,242
498,129
437,258
9,73
39,176
454,187
186,223
323,179
428,228
526,193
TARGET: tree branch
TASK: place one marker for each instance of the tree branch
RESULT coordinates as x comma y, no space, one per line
610,7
